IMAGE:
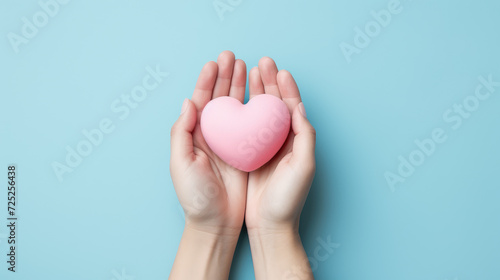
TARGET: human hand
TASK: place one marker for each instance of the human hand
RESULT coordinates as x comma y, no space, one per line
211,192
278,190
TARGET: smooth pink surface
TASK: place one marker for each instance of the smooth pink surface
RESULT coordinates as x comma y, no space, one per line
245,136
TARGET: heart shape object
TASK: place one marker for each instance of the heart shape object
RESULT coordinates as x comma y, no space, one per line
245,136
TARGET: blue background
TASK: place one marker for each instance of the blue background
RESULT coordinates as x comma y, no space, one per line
117,215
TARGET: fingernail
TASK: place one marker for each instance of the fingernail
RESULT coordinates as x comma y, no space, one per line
302,109
184,106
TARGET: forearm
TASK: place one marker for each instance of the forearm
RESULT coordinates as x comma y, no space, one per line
279,255
203,255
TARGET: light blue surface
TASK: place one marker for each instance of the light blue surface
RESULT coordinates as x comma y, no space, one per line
117,214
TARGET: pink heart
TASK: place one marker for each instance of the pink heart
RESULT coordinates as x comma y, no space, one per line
245,136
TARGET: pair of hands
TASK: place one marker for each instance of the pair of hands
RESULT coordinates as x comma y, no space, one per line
218,198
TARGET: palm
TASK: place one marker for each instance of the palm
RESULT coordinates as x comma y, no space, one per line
272,198
223,193
212,193
266,188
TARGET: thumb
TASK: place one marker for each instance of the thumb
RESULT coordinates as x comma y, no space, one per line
181,138
304,142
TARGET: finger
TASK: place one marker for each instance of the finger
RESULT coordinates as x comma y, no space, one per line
255,85
239,80
181,139
226,66
288,90
205,85
268,72
304,142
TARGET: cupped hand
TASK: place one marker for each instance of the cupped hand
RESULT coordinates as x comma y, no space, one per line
277,191
211,192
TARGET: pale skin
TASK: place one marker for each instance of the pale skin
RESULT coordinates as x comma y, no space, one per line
218,198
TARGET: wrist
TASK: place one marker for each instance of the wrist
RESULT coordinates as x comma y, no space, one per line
212,233
204,254
277,236
278,254
265,227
